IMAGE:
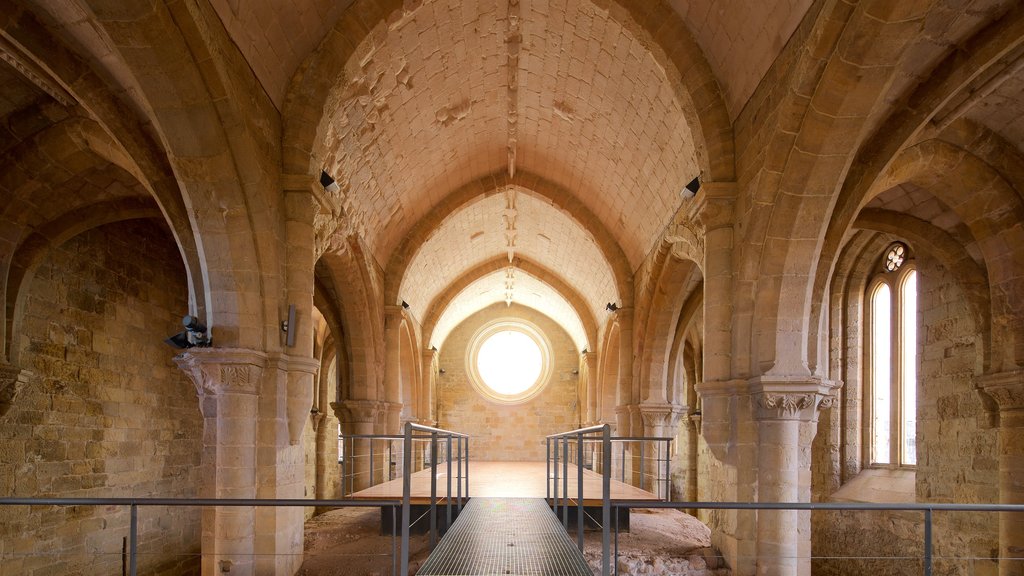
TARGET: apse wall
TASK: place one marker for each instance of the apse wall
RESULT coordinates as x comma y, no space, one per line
110,414
499,431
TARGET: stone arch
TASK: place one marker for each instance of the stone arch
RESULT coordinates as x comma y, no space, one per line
325,300
549,277
347,272
611,393
496,183
662,31
949,77
120,139
824,133
408,371
683,337
970,276
34,249
239,264
673,281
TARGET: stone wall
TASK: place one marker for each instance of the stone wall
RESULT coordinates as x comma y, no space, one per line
110,416
957,457
507,432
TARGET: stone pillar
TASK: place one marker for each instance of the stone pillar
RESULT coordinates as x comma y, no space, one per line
12,381
362,417
783,410
1007,389
659,420
392,361
227,382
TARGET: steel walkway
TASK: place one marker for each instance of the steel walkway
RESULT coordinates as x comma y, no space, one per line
506,536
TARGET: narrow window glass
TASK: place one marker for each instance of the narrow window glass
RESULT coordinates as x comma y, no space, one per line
909,361
881,375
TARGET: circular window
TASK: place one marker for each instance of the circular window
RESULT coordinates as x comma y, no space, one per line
509,361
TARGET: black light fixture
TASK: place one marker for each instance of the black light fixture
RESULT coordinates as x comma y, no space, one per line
440,370
328,183
690,190
405,304
193,336
611,307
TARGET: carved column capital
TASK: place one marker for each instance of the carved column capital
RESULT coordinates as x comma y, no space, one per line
12,381
359,411
216,371
792,398
659,416
1005,388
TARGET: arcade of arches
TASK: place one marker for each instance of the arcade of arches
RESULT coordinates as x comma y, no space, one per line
406,172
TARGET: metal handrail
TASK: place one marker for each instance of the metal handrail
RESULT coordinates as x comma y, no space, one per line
135,503
462,454
660,480
606,464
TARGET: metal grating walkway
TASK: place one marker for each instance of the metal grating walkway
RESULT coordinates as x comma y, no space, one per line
512,536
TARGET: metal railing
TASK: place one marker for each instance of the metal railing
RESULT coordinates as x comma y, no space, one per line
135,503
434,436
926,508
371,448
561,441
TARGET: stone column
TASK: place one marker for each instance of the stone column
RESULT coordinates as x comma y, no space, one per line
227,382
659,421
782,409
362,417
1007,389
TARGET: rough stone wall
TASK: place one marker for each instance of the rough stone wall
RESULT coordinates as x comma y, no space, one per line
507,432
957,456
111,415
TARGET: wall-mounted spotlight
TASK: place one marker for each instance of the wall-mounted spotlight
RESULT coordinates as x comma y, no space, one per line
328,183
611,307
584,351
405,304
193,336
440,370
287,326
690,190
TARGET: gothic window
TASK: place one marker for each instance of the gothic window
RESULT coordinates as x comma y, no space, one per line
891,373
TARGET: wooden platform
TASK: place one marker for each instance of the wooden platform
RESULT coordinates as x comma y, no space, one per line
503,480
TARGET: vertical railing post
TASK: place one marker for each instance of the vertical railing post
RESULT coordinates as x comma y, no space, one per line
394,543
433,490
372,463
448,494
642,443
606,501
579,492
667,471
928,542
406,493
458,448
622,462
547,468
555,476
467,466
391,458
133,541
565,481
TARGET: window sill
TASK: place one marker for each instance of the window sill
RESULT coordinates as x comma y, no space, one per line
879,485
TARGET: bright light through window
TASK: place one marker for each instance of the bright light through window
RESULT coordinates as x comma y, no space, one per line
509,362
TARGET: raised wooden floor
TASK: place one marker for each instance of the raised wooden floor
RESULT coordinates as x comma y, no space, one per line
503,480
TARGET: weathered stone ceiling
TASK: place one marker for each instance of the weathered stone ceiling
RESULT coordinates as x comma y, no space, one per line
1002,111
530,292
920,203
427,108
275,37
21,113
478,233
741,39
